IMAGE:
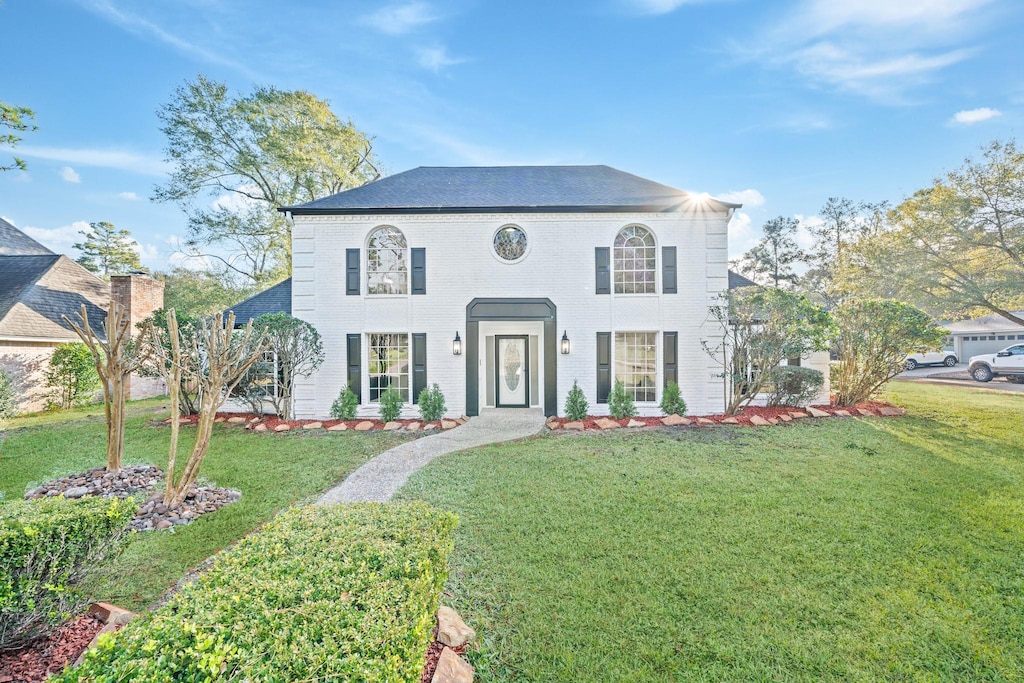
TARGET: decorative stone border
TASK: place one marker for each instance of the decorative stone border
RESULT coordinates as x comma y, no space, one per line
270,423
751,417
113,619
444,662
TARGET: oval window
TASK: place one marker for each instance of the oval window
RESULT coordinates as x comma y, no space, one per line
513,364
510,243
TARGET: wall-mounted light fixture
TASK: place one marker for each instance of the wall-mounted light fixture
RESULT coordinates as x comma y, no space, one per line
457,345
565,343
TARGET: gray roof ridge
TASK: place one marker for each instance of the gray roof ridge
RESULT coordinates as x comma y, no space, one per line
16,297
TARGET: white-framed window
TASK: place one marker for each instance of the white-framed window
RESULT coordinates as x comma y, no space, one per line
510,243
636,364
388,364
387,270
634,260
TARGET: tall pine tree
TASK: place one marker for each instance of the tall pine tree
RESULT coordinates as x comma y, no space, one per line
107,251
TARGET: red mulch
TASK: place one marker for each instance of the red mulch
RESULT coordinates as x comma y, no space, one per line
433,654
271,421
49,655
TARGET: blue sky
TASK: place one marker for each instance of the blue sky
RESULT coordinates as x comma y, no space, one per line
777,104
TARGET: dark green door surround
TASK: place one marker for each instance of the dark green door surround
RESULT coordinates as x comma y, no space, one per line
511,310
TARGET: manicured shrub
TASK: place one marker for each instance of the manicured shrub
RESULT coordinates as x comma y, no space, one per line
793,385
45,546
8,395
71,376
672,402
576,406
620,402
344,407
432,406
390,405
337,593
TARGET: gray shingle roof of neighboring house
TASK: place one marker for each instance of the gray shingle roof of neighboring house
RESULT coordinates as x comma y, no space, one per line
736,281
14,242
36,291
575,189
989,324
277,299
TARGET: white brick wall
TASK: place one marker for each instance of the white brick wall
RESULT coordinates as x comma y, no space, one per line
461,266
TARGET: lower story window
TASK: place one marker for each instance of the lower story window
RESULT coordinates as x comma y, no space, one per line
636,363
388,365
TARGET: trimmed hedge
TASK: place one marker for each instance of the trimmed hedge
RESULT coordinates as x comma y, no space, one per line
45,545
320,593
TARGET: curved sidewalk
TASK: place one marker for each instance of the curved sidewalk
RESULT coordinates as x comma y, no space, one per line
380,477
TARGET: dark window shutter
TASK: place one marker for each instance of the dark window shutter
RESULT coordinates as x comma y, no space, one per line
419,364
419,271
602,270
668,270
604,365
670,354
352,271
355,372
793,362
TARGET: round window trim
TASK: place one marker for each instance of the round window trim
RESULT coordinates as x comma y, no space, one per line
510,244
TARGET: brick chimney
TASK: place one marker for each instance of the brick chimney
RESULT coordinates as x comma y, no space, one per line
140,295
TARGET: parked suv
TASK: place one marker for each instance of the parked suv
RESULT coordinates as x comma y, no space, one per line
946,358
1007,363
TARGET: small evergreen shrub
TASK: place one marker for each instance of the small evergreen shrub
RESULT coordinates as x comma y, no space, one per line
344,407
45,547
576,406
8,396
672,402
432,406
793,385
390,405
620,402
71,376
336,593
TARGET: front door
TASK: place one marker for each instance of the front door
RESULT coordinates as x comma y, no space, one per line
511,365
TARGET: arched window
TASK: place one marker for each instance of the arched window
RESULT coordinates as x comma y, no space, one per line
387,272
634,260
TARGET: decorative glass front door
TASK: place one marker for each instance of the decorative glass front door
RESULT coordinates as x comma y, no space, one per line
511,367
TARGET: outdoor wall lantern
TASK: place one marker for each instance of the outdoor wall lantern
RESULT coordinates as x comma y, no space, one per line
457,345
565,343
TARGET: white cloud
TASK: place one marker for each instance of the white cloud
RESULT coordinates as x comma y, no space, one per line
129,196
104,158
69,174
748,198
436,58
236,202
741,234
59,239
400,18
971,116
146,252
803,236
657,6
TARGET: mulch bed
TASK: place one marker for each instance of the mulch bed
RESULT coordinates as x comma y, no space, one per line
271,423
50,655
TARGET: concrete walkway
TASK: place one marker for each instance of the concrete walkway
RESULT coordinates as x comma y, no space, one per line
380,477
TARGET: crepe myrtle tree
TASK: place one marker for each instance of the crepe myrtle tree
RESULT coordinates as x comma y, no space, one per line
761,327
294,350
215,358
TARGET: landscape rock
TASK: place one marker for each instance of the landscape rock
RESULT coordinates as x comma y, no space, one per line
283,427
891,411
364,426
392,426
313,425
554,424
841,413
636,423
111,614
577,425
260,427
607,423
449,424
430,426
452,669
814,412
236,420
340,427
99,482
153,514
674,420
218,419
730,421
704,421
76,492
865,412
451,629
759,421
797,414
785,418
413,426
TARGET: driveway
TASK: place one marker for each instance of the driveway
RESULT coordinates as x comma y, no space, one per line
957,376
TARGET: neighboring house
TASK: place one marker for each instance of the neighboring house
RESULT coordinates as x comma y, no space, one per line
37,288
983,335
276,299
505,285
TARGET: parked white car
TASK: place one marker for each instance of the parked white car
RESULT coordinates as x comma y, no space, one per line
947,358
1007,363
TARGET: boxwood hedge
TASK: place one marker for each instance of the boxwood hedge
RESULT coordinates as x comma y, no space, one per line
320,593
45,545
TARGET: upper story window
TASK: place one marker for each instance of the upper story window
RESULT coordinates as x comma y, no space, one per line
510,243
634,260
387,269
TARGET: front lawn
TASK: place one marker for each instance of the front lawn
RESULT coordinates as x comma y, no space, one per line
272,471
839,549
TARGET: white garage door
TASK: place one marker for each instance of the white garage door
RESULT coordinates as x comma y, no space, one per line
975,345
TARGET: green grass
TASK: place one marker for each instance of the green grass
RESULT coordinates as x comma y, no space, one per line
272,471
875,549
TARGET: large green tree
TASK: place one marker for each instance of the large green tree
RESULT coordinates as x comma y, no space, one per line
18,120
771,260
953,248
194,293
843,221
236,160
107,250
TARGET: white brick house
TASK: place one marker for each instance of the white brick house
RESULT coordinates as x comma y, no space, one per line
505,263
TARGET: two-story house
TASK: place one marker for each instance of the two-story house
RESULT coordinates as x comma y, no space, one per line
504,285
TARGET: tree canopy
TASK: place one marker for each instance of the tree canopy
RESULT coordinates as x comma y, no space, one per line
198,293
17,120
843,222
236,160
107,250
771,260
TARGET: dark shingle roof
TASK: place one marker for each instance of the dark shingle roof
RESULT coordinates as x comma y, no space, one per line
14,242
277,299
36,291
506,188
736,281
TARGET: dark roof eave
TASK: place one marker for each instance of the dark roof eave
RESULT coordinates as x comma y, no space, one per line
349,211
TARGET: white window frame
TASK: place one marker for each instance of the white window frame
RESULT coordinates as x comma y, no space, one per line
395,277
374,393
620,275
655,336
